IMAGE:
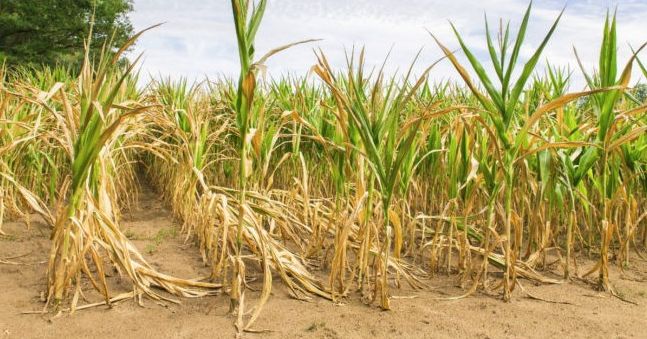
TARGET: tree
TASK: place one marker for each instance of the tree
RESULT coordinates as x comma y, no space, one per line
53,31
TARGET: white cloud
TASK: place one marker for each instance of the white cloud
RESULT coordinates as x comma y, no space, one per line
197,39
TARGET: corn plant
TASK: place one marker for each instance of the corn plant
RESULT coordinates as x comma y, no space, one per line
247,23
94,130
501,110
612,135
387,140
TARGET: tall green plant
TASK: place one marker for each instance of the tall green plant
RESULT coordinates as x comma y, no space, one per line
247,20
501,108
611,134
388,135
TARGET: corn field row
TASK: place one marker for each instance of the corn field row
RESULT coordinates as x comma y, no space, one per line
346,182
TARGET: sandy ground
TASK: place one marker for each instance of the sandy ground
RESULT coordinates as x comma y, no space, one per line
587,314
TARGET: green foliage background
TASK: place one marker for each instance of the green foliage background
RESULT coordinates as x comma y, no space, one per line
50,32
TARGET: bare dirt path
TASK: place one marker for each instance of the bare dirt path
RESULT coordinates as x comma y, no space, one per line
23,253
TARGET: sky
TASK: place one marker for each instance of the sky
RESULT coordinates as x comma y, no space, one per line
197,38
